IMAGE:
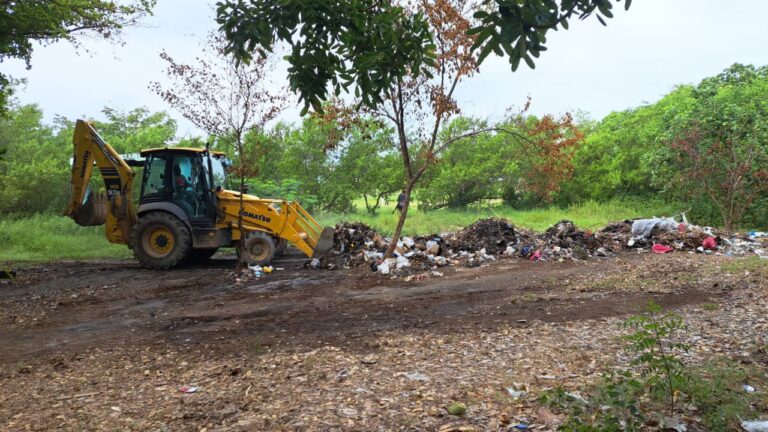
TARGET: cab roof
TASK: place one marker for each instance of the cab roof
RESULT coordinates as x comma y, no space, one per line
180,149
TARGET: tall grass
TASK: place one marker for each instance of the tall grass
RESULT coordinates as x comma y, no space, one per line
45,237
51,237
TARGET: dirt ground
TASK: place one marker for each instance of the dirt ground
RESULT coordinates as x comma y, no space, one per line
107,345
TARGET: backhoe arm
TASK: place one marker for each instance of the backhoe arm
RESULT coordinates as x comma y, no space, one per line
86,208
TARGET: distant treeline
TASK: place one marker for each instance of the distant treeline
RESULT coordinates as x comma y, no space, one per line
701,146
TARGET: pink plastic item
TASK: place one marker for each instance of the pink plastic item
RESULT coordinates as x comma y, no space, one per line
709,243
661,249
536,256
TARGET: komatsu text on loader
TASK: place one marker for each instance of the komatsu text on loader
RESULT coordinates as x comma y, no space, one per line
184,212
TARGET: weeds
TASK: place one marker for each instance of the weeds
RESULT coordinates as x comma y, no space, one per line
634,399
656,351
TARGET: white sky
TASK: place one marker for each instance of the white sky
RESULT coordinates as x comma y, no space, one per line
639,57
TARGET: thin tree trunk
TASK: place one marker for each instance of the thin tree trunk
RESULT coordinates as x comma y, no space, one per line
400,222
241,242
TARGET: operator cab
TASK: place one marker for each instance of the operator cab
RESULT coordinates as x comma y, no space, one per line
183,180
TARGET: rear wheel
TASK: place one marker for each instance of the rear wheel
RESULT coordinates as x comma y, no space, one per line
259,248
160,240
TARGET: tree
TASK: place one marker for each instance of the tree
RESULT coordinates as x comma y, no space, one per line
137,129
721,148
368,165
22,23
34,176
370,44
518,29
229,100
547,152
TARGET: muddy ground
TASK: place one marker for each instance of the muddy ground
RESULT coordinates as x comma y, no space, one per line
107,345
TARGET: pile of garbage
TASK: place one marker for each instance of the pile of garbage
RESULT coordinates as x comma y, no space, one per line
492,234
665,234
488,240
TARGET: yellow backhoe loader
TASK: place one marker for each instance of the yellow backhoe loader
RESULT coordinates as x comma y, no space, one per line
184,212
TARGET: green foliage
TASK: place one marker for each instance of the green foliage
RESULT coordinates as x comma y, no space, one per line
34,173
288,189
589,215
653,152
720,149
471,170
25,23
519,29
612,405
367,165
367,45
624,155
137,129
716,390
626,401
657,353
47,237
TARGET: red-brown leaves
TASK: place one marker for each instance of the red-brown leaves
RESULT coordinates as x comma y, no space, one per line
550,149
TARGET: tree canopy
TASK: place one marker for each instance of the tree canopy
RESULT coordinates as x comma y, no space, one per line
368,45
22,23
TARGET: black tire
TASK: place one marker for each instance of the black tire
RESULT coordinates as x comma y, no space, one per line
200,255
259,248
160,240
280,246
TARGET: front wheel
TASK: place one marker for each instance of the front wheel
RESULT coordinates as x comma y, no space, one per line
160,240
259,248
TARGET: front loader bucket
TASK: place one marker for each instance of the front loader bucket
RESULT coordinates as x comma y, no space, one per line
324,243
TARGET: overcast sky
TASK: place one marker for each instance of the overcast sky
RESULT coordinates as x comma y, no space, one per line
641,55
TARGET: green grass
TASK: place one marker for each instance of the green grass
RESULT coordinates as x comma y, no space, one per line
53,237
752,263
590,215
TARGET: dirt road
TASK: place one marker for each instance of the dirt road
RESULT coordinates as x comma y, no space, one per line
107,344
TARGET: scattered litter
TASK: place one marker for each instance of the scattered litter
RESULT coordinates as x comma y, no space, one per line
748,388
520,426
515,393
645,228
487,240
415,376
257,270
709,243
457,409
577,397
267,269
347,412
755,425
188,389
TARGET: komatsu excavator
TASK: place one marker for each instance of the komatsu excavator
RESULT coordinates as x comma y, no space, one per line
184,212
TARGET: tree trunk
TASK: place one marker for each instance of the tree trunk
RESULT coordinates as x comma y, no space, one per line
241,243
400,222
